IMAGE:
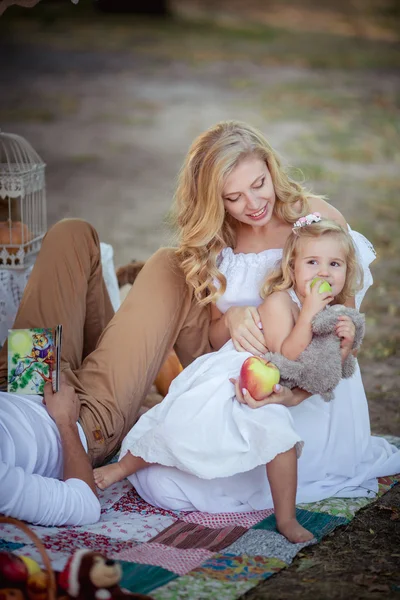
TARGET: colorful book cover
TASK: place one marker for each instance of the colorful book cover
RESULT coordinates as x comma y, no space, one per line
34,359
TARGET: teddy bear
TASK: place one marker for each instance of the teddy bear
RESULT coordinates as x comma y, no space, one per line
319,367
90,575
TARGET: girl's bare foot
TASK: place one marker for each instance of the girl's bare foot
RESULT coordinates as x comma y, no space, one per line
294,532
106,476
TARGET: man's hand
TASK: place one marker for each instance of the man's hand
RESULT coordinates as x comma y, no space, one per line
281,395
62,406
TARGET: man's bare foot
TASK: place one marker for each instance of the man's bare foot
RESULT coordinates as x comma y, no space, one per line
294,532
106,476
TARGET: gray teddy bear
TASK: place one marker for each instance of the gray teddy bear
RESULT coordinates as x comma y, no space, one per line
319,367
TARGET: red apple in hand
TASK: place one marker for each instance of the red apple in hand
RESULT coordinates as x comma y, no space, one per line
12,568
258,376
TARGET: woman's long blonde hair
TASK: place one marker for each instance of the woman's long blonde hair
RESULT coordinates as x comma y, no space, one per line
203,227
282,278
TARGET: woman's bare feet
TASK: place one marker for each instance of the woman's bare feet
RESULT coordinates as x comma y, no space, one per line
294,532
106,476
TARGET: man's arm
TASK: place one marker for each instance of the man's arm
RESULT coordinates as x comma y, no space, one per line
44,500
75,459
63,407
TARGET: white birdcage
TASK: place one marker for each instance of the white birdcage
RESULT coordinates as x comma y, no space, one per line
23,218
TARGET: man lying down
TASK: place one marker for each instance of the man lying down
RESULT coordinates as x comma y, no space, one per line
46,477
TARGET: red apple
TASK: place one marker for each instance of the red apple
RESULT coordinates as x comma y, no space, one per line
258,376
12,568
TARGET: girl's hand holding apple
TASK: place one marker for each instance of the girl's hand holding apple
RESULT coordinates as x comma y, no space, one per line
318,295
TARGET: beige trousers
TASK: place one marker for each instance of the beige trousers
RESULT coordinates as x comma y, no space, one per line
111,360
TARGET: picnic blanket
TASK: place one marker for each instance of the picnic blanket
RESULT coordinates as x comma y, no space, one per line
194,555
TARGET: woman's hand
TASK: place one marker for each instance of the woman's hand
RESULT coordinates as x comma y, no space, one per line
244,326
281,395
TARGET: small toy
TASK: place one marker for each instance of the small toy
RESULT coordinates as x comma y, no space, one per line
90,575
319,368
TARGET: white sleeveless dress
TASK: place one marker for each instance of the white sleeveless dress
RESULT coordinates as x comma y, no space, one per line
212,451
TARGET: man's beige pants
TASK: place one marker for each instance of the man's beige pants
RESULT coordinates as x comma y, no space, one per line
110,360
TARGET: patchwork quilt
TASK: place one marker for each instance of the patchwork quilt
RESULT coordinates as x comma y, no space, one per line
171,555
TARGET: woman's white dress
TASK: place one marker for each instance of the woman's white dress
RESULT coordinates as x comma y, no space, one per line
211,451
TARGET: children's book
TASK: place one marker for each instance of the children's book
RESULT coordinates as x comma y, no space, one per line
34,359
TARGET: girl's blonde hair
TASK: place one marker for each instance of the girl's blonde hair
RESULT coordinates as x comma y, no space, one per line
283,276
203,227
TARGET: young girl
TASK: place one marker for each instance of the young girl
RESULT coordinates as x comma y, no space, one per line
201,429
319,249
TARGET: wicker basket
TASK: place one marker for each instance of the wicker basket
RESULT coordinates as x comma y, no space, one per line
52,586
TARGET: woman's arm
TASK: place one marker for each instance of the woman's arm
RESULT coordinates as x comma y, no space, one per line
218,332
241,323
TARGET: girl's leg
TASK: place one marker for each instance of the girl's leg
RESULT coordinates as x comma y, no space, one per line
282,477
128,465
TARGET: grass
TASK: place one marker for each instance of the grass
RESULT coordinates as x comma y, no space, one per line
315,172
39,108
192,42
27,115
348,124
126,118
83,159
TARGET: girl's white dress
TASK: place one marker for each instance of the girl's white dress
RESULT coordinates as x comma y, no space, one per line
211,451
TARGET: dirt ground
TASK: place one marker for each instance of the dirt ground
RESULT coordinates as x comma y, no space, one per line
111,103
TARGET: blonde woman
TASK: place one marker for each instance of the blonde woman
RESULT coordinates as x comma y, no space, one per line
201,429
235,208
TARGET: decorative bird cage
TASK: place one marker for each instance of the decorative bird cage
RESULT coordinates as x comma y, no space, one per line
23,219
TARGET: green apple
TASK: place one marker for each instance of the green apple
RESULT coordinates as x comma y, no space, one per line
324,285
258,376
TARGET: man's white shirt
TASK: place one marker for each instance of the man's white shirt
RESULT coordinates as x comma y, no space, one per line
31,465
